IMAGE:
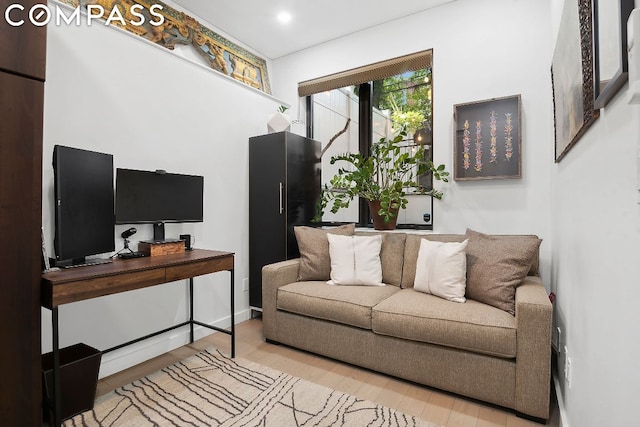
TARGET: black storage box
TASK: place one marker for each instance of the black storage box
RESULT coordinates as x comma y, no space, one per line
79,367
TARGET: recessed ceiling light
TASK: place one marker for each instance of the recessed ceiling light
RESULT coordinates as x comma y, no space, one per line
284,17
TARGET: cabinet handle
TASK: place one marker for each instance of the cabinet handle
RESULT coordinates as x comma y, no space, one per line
281,201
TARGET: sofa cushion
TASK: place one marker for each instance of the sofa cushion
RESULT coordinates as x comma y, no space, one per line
314,250
391,255
496,265
472,326
350,305
411,249
441,269
355,260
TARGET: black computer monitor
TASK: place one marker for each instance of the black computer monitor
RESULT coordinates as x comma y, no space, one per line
157,197
84,200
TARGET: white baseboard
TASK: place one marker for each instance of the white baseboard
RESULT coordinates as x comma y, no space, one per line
134,354
564,422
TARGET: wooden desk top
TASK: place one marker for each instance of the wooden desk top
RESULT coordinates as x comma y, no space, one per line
81,283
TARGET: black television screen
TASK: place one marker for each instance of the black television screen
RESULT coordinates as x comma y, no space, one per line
158,197
83,188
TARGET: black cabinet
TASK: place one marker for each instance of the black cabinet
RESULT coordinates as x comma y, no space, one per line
284,187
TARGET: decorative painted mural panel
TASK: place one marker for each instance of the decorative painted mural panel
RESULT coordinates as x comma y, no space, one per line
168,27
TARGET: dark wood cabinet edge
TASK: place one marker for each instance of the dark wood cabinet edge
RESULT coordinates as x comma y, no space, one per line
23,75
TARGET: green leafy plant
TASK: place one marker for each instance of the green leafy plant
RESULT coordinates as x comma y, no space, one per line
412,120
408,119
387,175
282,108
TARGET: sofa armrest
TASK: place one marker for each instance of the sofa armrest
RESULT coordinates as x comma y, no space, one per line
533,360
273,276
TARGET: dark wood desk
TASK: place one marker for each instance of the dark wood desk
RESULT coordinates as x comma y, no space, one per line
83,283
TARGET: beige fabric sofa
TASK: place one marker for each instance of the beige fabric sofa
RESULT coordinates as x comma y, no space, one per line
470,348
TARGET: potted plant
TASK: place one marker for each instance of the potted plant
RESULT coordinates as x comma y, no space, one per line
384,179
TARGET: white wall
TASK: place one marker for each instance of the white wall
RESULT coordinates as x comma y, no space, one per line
112,92
482,49
596,270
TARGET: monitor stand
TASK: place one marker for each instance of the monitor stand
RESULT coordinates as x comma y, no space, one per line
158,235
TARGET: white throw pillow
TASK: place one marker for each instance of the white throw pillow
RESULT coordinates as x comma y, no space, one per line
355,260
441,269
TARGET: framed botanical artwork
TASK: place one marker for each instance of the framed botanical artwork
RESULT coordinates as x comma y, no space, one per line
487,139
572,77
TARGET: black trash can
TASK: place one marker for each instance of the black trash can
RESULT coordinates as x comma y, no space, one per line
79,367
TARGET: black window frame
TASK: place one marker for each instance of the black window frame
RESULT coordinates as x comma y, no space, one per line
365,140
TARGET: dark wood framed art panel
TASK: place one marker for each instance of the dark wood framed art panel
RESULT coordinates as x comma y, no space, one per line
573,104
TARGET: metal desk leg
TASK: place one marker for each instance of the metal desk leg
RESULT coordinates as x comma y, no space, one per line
57,397
191,310
233,320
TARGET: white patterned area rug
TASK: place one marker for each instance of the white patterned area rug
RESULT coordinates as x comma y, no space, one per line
210,389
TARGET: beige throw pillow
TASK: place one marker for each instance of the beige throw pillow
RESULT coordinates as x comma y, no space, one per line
355,260
313,245
441,269
496,265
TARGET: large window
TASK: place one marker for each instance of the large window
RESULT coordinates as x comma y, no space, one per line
376,109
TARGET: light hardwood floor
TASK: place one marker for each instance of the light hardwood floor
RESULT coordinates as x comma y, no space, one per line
427,403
